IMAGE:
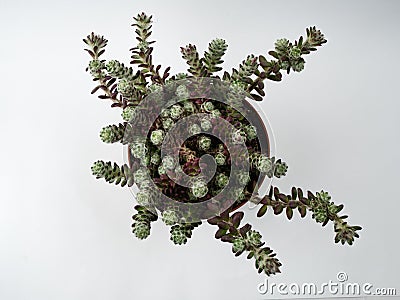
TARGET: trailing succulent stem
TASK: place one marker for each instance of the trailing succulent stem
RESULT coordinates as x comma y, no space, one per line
244,239
287,56
142,222
180,233
196,66
142,53
113,173
213,57
113,133
96,44
322,209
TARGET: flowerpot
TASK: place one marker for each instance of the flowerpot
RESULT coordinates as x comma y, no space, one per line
191,165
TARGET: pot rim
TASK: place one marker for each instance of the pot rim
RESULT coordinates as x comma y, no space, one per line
259,123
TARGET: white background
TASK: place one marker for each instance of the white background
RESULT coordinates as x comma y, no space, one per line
65,235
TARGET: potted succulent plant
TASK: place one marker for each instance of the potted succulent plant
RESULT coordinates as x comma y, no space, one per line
197,148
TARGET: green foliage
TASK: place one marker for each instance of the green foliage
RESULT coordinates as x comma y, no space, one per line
344,232
238,245
142,53
246,69
169,217
180,233
280,168
322,209
113,133
126,87
116,69
268,165
287,56
127,113
96,68
113,173
96,45
213,57
266,261
196,67
314,39
142,222
282,45
244,239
